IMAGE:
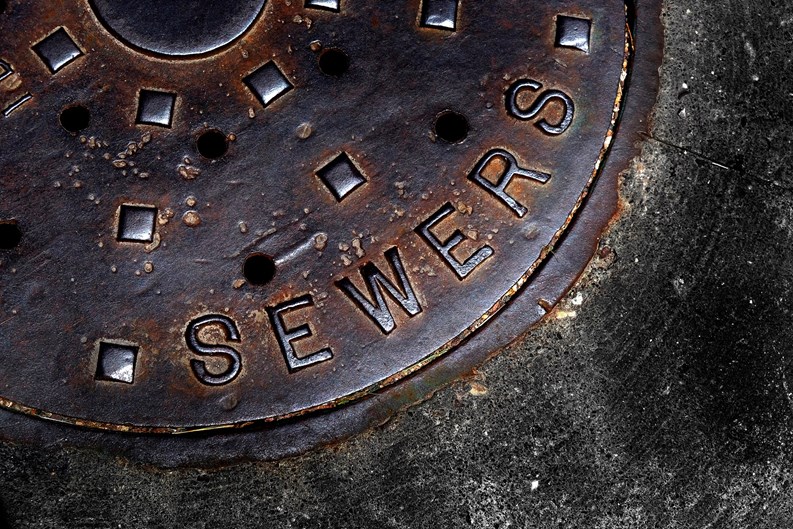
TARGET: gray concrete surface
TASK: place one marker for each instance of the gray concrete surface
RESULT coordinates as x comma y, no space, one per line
659,396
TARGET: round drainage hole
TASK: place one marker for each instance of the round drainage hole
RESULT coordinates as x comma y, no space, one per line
212,144
259,269
75,118
10,235
451,127
334,61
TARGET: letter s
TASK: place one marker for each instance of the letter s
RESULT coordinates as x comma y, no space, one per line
539,105
231,355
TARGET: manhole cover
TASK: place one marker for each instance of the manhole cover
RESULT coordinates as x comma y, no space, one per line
222,214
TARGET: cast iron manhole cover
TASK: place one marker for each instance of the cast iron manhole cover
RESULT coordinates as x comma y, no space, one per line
220,214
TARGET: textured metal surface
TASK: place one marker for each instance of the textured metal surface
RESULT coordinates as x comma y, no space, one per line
329,242
175,27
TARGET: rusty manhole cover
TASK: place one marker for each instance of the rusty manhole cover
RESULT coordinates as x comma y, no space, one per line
224,215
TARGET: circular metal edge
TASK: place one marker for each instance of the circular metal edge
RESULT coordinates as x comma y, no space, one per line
93,10
296,434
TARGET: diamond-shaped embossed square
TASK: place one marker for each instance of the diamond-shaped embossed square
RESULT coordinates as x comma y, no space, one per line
268,83
341,176
57,50
155,108
439,14
328,5
573,32
116,362
136,223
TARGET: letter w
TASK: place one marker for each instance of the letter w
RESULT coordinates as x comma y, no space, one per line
375,305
